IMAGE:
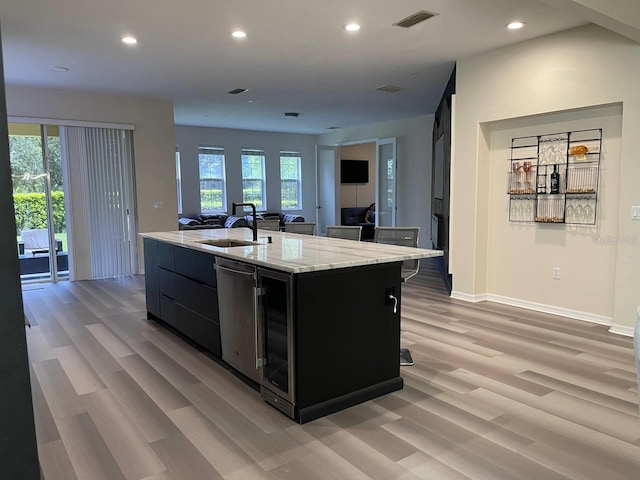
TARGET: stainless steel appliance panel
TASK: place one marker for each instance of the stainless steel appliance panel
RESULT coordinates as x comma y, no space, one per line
237,303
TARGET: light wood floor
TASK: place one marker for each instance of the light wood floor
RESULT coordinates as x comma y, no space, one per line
496,393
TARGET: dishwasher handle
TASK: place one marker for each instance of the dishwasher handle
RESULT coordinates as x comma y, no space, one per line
231,270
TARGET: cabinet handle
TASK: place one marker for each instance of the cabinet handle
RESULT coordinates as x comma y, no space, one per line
395,302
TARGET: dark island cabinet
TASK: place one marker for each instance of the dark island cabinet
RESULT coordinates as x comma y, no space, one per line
181,291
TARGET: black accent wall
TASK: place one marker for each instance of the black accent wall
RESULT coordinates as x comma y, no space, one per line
440,207
18,449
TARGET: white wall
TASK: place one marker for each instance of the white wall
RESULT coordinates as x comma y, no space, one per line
521,256
153,143
575,69
414,139
233,141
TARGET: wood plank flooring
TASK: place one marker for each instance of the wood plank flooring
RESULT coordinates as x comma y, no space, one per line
496,392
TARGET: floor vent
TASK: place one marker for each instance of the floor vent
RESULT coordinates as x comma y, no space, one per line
414,19
389,89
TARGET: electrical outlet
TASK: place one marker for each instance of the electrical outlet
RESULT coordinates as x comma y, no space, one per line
556,273
158,205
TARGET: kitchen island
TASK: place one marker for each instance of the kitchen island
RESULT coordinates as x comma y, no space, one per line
313,321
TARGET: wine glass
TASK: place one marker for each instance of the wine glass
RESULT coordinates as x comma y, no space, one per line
570,214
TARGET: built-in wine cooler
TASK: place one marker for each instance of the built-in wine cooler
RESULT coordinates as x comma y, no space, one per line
276,322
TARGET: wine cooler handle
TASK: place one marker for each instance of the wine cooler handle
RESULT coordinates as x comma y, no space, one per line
257,291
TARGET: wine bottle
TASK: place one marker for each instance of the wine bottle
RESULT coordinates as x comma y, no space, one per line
555,180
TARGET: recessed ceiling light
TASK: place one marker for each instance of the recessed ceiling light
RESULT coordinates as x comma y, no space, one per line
238,34
352,27
129,40
516,25
60,69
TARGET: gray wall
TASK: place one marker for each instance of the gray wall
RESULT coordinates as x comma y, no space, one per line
189,138
18,450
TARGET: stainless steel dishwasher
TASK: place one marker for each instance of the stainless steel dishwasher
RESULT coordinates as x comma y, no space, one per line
237,303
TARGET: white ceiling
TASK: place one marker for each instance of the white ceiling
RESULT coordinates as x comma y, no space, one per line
296,56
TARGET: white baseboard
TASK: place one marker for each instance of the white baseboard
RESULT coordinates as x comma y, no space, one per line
620,330
561,311
541,307
467,297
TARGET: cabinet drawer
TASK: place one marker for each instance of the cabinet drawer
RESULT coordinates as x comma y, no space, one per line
166,279
196,296
196,265
166,255
168,311
199,329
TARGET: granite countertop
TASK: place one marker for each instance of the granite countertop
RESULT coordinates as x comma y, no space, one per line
292,252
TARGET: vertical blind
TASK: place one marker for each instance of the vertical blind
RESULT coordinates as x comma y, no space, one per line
109,162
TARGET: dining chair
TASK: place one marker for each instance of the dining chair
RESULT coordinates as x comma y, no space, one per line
346,232
406,237
268,224
304,228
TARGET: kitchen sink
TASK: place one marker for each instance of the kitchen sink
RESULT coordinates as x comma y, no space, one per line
227,243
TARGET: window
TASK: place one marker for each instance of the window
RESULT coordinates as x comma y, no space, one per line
213,195
253,178
290,184
178,180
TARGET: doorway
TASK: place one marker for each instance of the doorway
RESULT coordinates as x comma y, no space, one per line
39,201
332,194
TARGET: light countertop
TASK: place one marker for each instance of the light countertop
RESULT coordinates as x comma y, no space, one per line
292,252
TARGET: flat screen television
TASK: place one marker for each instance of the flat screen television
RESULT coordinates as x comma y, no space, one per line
354,171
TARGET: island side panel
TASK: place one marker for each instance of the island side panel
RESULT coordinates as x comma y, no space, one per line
347,337
152,291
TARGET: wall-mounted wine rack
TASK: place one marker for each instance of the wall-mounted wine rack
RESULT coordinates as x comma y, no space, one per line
554,178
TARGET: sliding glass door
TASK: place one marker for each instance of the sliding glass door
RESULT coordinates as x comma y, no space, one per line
39,201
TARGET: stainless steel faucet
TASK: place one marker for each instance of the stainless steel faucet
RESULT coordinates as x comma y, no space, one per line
254,226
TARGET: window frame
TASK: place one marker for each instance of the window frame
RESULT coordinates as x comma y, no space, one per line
210,150
291,154
254,152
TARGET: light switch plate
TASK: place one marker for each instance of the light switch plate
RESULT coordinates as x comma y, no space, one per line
635,213
158,205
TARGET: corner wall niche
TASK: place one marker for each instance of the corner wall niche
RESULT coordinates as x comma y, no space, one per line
553,178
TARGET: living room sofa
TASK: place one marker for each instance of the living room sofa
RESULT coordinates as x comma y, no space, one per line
199,222
203,221
354,216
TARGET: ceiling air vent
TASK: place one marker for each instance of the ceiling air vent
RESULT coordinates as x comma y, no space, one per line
389,89
414,19
332,128
238,90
